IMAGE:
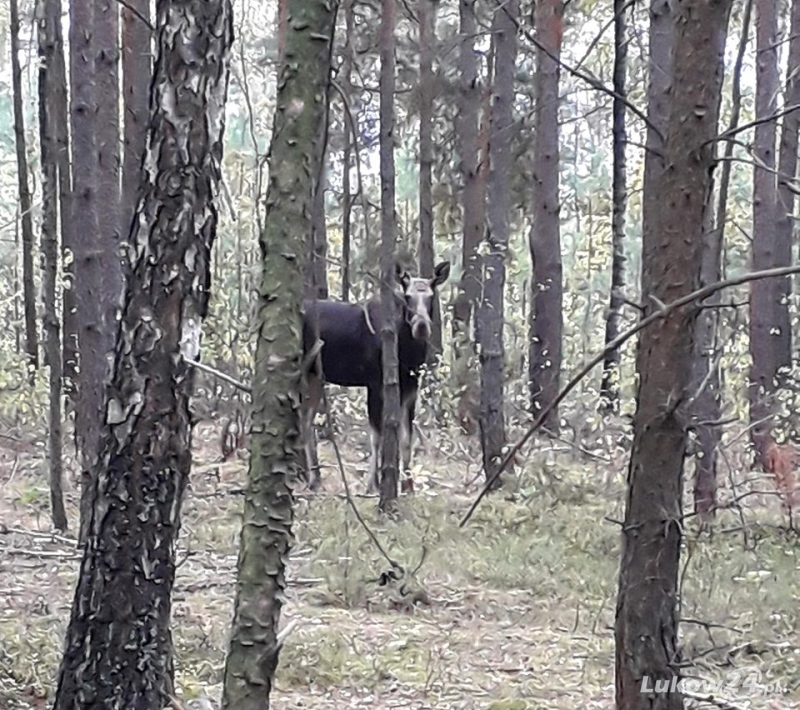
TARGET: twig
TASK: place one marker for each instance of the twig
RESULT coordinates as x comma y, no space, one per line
717,700
221,375
663,311
37,534
725,135
130,8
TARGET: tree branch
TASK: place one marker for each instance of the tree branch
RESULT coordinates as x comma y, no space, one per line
663,311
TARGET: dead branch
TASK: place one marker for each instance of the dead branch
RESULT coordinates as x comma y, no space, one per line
663,311
220,375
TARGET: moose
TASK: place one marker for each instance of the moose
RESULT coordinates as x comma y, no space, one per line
342,345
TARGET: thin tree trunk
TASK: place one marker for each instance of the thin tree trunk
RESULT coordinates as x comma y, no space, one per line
787,170
546,312
49,84
647,603
391,379
427,40
136,74
275,461
118,649
609,385
490,313
319,230
28,286
707,381
473,172
764,294
57,75
347,198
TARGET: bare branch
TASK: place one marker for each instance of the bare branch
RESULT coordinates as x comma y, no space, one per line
663,311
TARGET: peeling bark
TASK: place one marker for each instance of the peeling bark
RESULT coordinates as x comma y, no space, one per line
647,603
118,650
275,457
489,316
49,22
28,287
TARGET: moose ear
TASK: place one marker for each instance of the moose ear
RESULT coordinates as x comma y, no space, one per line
440,274
401,275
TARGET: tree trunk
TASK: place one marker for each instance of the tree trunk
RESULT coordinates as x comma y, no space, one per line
764,294
319,230
49,22
347,198
28,286
427,41
87,263
647,603
658,107
490,312
473,140
57,76
275,460
707,381
106,46
136,74
391,379
546,312
609,385
118,650
787,170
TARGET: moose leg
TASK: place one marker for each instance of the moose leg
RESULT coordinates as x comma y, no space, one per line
309,410
375,411
407,433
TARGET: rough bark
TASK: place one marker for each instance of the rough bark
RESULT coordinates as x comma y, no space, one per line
28,287
391,378
87,263
546,313
490,313
787,170
136,75
707,381
764,336
647,602
609,385
275,460
49,22
118,650
347,198
427,41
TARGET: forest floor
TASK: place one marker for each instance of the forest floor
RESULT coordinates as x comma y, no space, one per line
518,606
